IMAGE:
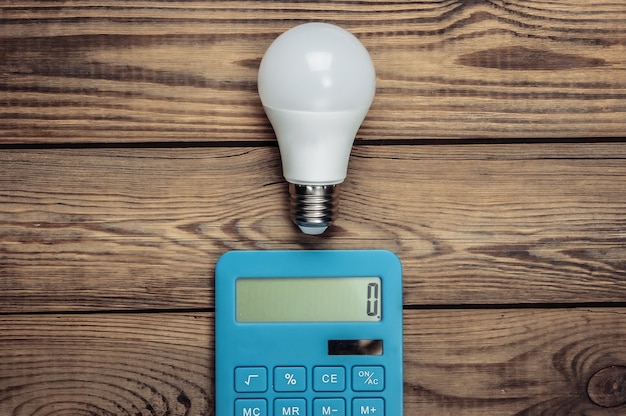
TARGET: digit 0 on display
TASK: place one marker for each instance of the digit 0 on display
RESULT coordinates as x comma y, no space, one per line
308,333
372,299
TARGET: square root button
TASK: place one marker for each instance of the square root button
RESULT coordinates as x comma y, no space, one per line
368,378
250,380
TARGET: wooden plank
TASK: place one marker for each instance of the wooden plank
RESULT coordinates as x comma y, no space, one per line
510,362
137,364
87,229
180,71
461,362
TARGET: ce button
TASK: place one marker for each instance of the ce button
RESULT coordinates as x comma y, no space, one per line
329,379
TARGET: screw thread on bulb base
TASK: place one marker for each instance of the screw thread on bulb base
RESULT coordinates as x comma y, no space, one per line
313,207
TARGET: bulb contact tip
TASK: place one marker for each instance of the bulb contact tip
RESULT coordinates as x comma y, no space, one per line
313,207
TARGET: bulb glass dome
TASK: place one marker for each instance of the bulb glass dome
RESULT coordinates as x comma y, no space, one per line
317,67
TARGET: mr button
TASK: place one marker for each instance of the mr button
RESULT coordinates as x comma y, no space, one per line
329,379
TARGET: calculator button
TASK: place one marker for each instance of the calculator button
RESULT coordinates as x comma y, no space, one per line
250,380
290,407
370,378
250,407
368,407
329,407
289,379
329,379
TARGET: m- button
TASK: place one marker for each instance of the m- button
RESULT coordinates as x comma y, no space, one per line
329,379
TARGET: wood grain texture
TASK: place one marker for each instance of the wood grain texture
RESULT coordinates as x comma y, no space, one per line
106,365
509,362
607,387
142,228
134,152
457,362
186,71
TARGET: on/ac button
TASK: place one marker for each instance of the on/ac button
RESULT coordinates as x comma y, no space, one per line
368,378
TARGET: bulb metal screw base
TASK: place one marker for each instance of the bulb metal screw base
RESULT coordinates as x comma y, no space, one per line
313,207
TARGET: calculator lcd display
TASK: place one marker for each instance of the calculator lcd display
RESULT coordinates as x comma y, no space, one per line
309,299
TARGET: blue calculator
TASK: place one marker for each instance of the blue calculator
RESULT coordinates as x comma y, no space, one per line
308,333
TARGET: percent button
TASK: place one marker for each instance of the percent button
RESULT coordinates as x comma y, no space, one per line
288,379
368,378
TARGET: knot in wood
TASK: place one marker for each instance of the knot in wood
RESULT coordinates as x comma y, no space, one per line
607,387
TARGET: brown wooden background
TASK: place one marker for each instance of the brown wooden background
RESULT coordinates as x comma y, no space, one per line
134,152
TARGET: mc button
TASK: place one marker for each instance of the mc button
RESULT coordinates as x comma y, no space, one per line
329,379
250,407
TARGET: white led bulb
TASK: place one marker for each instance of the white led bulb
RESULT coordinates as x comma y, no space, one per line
316,83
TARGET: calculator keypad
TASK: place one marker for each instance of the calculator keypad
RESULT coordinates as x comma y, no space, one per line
287,381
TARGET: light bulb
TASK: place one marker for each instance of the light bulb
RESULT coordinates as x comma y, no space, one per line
316,83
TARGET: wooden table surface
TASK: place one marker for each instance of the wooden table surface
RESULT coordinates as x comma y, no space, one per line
134,152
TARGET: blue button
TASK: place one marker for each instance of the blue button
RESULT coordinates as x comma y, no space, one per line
329,379
250,407
329,407
290,379
290,407
370,378
250,379
368,407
